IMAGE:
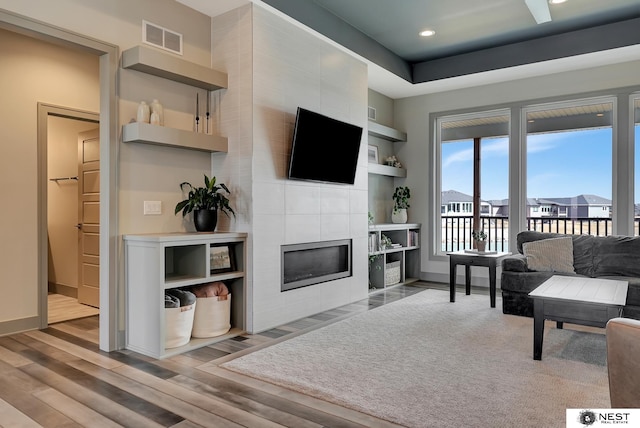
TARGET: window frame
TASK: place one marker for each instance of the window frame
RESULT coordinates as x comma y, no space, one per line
622,169
436,229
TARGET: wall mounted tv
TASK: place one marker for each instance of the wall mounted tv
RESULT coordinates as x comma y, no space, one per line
324,149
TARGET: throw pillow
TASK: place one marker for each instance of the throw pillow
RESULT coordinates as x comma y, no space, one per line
550,255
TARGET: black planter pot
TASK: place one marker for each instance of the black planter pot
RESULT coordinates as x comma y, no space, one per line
205,220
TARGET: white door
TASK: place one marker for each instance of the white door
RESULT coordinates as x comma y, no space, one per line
89,218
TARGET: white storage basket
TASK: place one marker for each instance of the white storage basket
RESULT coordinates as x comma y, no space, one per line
212,316
177,325
392,273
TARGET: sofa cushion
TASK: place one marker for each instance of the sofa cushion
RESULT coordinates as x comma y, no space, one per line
616,255
583,254
550,255
582,248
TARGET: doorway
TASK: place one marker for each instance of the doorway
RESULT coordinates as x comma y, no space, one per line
73,195
111,334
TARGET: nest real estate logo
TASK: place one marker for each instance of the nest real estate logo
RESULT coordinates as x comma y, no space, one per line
580,418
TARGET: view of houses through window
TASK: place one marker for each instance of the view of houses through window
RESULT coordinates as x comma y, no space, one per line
569,167
567,150
457,134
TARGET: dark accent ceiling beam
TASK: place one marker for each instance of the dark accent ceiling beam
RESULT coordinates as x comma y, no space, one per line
326,23
577,42
604,37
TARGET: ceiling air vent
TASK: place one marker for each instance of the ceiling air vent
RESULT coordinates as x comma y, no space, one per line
371,113
160,37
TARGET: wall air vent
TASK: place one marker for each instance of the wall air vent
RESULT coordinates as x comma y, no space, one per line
371,113
160,37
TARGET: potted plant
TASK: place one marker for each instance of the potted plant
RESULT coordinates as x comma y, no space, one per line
400,204
205,203
480,237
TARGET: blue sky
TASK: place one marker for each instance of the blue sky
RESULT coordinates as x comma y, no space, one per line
559,164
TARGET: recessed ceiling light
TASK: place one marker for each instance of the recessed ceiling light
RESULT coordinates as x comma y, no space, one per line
556,1
600,114
427,33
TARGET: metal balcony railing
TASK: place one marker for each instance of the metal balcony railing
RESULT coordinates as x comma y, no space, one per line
456,231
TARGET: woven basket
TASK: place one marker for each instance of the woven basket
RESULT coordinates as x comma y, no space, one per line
392,273
213,316
178,324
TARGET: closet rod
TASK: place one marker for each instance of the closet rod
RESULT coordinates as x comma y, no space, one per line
63,179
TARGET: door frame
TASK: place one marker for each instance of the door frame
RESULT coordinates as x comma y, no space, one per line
44,111
111,331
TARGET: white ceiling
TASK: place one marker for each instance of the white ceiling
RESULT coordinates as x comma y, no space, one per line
459,28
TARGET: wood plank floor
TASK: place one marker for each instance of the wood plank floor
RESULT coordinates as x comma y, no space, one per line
58,377
64,308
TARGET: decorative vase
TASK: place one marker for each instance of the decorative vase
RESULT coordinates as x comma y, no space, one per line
205,220
399,216
481,246
156,107
143,112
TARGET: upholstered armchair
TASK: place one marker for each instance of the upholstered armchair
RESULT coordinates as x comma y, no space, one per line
623,362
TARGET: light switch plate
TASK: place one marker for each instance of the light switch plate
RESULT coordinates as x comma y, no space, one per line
152,207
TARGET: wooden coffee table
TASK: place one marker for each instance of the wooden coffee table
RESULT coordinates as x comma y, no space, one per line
576,300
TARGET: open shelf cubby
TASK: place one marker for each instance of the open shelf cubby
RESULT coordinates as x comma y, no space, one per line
406,252
157,262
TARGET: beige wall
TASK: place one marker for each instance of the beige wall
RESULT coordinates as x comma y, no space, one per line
31,72
120,21
154,173
62,201
58,76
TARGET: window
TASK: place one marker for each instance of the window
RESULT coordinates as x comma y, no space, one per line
569,149
457,137
562,178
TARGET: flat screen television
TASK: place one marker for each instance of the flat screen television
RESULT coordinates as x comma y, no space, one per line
324,149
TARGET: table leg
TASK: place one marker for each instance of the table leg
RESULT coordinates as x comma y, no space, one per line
467,279
492,285
538,328
452,281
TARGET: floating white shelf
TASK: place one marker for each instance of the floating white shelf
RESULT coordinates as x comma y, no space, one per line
140,132
390,171
157,63
385,132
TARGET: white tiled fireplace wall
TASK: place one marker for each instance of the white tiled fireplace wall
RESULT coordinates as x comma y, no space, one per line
290,68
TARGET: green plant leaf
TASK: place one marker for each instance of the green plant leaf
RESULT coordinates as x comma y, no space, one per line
207,197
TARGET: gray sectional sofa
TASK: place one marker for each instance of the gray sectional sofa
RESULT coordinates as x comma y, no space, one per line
608,257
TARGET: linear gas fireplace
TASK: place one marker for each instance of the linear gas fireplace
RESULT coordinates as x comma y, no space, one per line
314,262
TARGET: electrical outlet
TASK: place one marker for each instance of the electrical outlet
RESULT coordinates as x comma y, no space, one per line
152,207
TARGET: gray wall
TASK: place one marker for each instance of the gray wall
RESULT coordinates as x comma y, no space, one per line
381,187
412,116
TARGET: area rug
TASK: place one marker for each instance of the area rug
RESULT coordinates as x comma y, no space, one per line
425,362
